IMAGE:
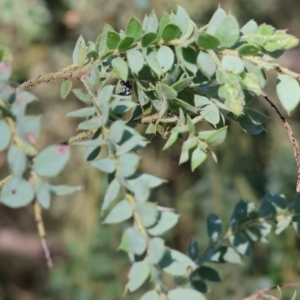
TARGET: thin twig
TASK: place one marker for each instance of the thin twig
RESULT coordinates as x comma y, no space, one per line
42,233
291,137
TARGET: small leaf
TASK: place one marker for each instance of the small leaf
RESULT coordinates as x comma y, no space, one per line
170,32
62,190
240,243
207,273
156,250
112,40
125,43
65,89
121,212
184,293
288,91
165,58
208,41
224,254
217,137
43,194
151,295
105,164
5,135
134,28
214,227
182,19
128,164
151,58
148,39
51,160
83,112
249,27
206,64
17,161
188,57
248,49
82,95
120,67
90,124
182,84
151,23
193,249
216,19
138,274
228,31
133,241
166,221
111,194
16,192
198,157
147,212
116,130
232,64
77,55
135,60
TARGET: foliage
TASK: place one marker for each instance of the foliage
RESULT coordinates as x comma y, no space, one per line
183,78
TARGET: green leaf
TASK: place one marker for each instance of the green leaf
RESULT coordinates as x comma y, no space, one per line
151,58
90,124
147,212
150,180
224,254
184,293
209,110
65,89
128,164
135,60
156,250
206,64
79,51
116,130
167,91
16,192
111,194
228,31
170,32
134,28
282,225
125,43
17,161
43,194
151,295
248,49
165,58
165,19
51,160
166,221
208,41
182,84
232,64
182,19
82,95
257,71
148,39
198,157
288,91
28,128
251,83
249,27
217,137
5,135
210,274
62,190
105,164
120,67
176,263
214,227
133,241
83,112
188,57
240,243
129,145
121,212
112,40
216,19
151,24
138,274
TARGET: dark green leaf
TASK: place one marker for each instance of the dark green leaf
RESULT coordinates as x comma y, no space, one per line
193,249
112,40
207,273
248,49
188,57
170,32
208,41
214,227
148,39
134,28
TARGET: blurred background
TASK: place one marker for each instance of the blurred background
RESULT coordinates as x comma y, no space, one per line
41,36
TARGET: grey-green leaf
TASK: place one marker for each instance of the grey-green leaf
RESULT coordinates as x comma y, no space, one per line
5,135
105,164
138,274
165,58
120,67
147,212
16,192
156,250
183,294
51,160
121,212
166,221
17,161
133,241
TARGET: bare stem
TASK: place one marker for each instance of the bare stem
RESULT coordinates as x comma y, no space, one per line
291,137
